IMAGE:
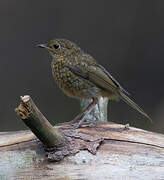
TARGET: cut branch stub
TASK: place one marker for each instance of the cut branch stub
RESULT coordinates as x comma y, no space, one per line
39,125
59,141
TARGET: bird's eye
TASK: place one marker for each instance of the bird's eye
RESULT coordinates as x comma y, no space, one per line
56,46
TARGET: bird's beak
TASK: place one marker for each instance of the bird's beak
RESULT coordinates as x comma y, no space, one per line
45,46
42,45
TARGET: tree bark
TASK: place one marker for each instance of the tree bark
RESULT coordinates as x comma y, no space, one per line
38,124
123,154
102,151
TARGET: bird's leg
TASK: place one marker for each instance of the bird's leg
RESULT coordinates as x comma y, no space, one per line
76,119
85,112
79,119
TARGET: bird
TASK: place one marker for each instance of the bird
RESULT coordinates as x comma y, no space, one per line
80,76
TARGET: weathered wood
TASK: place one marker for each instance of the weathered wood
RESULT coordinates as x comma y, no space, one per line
123,154
58,142
38,124
101,151
99,112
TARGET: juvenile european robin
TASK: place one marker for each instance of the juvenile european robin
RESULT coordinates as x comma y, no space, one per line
79,75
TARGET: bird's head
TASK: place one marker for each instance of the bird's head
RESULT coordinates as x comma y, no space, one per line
61,47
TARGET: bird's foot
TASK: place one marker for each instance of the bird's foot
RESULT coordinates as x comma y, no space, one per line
83,125
73,125
78,125
64,123
72,122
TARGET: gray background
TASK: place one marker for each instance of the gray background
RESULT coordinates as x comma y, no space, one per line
127,37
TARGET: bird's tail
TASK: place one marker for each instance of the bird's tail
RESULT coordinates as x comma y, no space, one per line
126,99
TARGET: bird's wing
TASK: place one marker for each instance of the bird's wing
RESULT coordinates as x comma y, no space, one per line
97,75
101,78
113,79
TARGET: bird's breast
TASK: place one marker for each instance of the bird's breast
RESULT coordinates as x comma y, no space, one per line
69,83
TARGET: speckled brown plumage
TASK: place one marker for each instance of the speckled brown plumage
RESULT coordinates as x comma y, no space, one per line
78,75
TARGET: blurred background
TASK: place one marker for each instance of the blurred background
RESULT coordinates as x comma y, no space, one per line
126,37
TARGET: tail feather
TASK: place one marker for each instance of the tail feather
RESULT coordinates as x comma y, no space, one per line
126,99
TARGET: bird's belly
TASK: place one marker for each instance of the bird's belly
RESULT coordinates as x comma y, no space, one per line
110,95
77,87
73,85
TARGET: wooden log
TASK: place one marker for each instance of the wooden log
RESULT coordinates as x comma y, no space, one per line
101,151
122,154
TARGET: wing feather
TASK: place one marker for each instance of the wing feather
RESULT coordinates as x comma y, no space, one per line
101,78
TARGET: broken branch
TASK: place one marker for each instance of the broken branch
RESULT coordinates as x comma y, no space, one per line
39,125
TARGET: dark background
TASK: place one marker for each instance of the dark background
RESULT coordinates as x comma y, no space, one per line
127,37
